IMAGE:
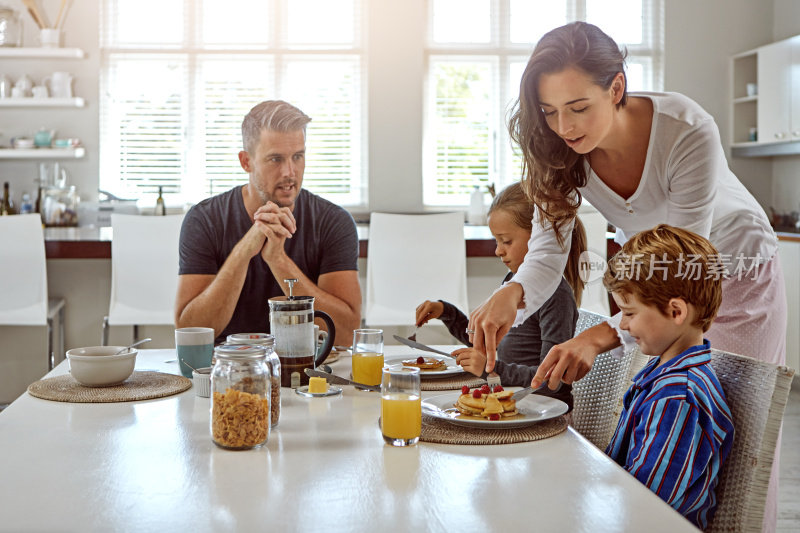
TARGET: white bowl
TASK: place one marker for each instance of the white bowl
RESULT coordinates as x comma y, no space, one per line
97,366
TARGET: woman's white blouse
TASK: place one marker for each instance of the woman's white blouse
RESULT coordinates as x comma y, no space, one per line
686,183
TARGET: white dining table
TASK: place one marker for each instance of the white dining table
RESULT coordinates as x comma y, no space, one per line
152,466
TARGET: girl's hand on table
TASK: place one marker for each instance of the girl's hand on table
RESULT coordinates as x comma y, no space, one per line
490,322
428,310
470,360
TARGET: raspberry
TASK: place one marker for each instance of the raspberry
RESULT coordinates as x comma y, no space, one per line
476,393
464,390
485,389
497,388
420,360
494,416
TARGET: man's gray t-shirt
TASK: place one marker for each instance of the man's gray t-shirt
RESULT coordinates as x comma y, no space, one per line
326,240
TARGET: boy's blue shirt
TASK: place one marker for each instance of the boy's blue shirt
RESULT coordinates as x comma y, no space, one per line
675,432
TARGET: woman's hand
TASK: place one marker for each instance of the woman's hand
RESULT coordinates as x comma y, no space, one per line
571,360
490,322
470,360
428,310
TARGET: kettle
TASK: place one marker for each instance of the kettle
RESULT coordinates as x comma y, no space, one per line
291,320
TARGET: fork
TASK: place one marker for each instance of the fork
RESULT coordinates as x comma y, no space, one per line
413,336
493,380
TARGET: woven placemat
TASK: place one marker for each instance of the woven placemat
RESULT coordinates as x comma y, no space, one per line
142,385
435,430
452,383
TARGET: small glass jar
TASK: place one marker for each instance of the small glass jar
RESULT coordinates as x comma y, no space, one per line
267,341
240,395
10,27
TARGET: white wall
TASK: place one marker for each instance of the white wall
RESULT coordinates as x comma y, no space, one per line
786,170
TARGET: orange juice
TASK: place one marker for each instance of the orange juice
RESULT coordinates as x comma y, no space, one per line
367,368
401,416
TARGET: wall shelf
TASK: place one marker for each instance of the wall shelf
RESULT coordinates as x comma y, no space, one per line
41,53
756,149
43,102
42,153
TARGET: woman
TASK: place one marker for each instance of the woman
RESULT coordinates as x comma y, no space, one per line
640,159
522,350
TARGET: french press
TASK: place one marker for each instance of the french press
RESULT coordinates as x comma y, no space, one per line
291,320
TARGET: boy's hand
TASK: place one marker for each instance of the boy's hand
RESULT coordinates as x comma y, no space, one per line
428,310
470,360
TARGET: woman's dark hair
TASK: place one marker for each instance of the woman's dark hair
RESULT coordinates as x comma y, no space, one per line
553,172
513,201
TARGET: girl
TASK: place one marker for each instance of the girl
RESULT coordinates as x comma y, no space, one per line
522,350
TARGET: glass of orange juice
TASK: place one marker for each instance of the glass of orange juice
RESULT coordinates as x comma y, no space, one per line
401,407
367,356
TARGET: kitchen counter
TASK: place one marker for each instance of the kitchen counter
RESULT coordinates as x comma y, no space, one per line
95,243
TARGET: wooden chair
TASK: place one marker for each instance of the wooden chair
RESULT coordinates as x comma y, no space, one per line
756,392
598,395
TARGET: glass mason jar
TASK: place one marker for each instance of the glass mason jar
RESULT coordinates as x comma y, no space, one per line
10,27
267,341
240,394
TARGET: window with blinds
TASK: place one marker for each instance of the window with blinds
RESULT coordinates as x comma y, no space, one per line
476,53
175,88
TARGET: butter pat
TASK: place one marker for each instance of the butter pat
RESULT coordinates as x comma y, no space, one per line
317,385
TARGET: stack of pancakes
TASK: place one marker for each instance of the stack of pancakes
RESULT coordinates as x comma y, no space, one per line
430,363
499,403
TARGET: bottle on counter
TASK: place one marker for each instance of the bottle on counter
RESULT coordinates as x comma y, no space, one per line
161,208
7,207
476,215
25,207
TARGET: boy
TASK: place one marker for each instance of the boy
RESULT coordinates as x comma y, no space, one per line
676,429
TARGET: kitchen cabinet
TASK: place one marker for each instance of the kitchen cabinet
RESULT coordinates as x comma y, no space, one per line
774,112
789,253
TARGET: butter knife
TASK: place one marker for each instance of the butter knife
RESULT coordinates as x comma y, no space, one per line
419,346
333,378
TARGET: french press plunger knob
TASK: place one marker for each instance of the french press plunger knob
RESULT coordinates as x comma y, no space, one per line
290,282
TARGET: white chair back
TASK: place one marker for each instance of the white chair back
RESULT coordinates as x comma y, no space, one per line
412,258
144,269
23,271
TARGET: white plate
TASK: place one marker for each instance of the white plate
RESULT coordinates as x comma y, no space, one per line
451,370
532,410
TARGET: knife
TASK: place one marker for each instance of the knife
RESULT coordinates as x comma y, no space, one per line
419,346
520,394
333,378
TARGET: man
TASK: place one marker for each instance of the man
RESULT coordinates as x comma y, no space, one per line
236,248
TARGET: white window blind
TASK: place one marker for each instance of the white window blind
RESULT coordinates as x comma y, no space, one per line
173,95
476,53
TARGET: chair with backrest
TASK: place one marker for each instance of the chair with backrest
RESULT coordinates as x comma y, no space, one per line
596,396
23,280
144,271
411,258
757,393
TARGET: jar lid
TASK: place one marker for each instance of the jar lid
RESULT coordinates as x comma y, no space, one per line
263,339
240,351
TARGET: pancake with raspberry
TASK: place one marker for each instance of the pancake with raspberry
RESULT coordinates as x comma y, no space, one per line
426,364
491,405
